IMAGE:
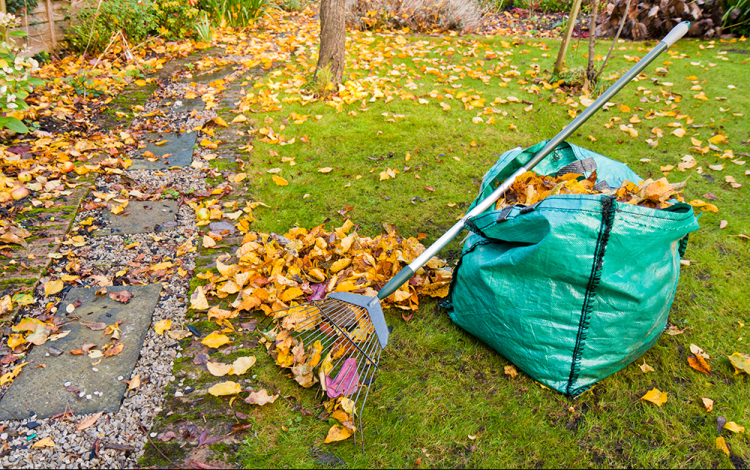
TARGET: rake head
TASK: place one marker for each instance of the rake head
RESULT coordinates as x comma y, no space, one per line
340,338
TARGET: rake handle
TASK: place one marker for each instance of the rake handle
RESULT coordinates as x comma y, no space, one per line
407,272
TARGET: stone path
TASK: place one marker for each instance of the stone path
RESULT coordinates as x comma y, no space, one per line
114,231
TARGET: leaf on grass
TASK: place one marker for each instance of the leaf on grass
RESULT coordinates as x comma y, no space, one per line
46,442
645,367
52,287
279,180
699,363
162,325
338,433
261,397
216,340
655,396
511,370
734,427
698,351
709,404
225,388
242,364
327,169
740,362
721,444
88,421
218,369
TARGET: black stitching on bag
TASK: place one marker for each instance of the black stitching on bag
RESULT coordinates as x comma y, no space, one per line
448,302
608,217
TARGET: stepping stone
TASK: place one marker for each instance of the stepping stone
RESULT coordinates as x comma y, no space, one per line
179,149
142,217
42,391
184,105
210,76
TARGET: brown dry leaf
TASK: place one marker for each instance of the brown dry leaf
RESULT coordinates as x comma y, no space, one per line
721,444
134,383
121,296
709,404
208,242
645,368
674,331
162,325
216,340
655,396
225,388
338,433
511,370
97,326
260,398
46,442
114,349
88,421
699,363
740,362
52,287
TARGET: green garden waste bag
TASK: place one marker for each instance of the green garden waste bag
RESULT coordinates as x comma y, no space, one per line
575,287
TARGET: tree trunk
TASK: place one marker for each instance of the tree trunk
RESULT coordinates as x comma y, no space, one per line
332,39
591,70
560,62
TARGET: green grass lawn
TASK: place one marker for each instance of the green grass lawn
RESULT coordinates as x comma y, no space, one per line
442,398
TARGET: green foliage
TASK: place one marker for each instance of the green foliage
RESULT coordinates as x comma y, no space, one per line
136,20
176,18
15,76
543,5
236,13
291,5
203,28
17,6
733,23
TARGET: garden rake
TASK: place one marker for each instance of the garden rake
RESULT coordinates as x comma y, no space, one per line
353,327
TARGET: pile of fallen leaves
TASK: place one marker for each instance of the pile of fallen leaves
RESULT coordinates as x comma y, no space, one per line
530,188
272,272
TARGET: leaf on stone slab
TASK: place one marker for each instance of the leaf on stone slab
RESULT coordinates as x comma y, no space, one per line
740,362
114,349
338,433
46,442
655,396
96,326
260,398
242,364
122,296
216,340
225,388
218,369
162,325
88,421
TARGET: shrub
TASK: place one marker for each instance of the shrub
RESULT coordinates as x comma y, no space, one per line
15,80
418,15
543,5
176,18
135,19
736,20
236,13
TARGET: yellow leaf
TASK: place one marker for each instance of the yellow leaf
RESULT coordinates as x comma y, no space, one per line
239,177
718,139
216,340
734,427
135,382
208,242
340,264
140,82
217,369
337,433
46,442
709,404
15,340
225,388
327,169
198,299
655,396
740,362
645,367
279,180
221,314
220,121
162,325
698,363
679,132
510,370
721,444
242,364
291,293
53,287
239,118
